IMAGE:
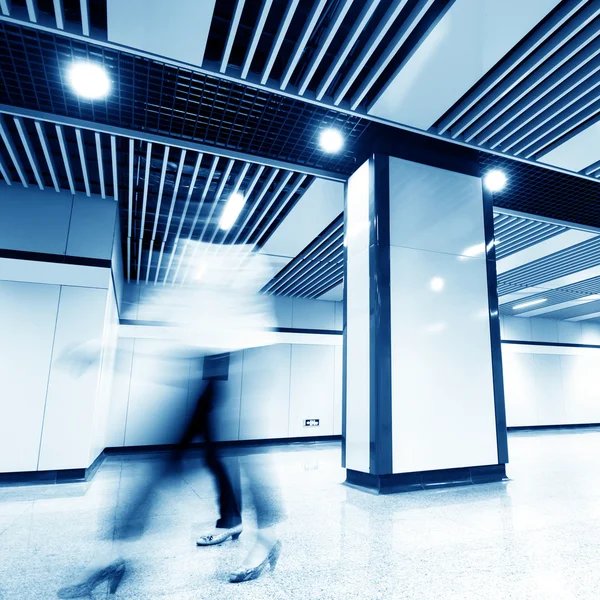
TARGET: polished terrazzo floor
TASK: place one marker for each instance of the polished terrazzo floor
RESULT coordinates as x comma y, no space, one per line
536,536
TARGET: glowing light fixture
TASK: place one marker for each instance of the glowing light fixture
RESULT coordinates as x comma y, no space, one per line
232,211
495,180
436,284
331,141
530,303
89,80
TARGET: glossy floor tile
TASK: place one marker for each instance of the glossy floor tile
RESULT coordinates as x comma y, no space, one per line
534,536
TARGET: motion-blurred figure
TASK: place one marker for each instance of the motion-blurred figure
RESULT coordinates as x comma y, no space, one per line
220,312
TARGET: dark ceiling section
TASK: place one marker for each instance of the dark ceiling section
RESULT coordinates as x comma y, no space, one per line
543,92
317,269
163,99
545,192
341,51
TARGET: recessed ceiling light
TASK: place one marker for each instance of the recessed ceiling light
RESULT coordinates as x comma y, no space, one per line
436,284
530,303
89,80
495,180
331,141
232,211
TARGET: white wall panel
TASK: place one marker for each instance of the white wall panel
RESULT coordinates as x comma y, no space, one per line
577,153
549,389
337,391
70,403
158,395
284,306
312,389
543,330
335,294
569,333
516,328
27,322
265,392
34,220
590,333
435,209
148,25
339,316
472,36
313,314
519,389
92,227
581,383
442,390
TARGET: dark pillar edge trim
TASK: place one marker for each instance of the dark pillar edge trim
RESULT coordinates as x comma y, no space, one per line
494,319
56,258
422,480
380,342
344,328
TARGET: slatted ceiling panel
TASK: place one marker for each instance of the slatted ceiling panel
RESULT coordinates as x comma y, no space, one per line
312,45
159,98
316,269
593,170
513,234
570,260
541,94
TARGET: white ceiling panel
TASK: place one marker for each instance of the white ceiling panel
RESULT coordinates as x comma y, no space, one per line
322,202
469,39
577,153
335,294
176,29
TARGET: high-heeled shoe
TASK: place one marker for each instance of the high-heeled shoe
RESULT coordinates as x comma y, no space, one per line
247,574
113,573
219,536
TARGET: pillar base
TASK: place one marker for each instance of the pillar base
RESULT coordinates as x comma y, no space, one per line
422,480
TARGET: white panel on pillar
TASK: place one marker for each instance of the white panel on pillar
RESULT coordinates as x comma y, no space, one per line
358,394
92,227
34,220
519,389
472,37
311,390
158,395
27,322
265,393
147,25
435,209
70,403
442,389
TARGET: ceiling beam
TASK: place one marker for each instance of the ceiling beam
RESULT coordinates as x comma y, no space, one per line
12,151
282,30
59,14
29,151
237,15
256,33
80,146
65,156
168,141
46,150
113,155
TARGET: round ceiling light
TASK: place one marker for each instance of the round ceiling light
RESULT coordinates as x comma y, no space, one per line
89,80
495,180
331,141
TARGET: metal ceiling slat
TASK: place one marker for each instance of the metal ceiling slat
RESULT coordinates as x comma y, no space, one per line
300,47
113,155
65,157
324,271
100,164
188,199
5,7
545,116
535,238
130,207
144,207
86,180
85,17
349,42
205,191
32,10
548,76
564,94
526,231
371,46
324,44
5,172
512,228
496,76
256,33
22,131
334,282
12,151
281,31
592,169
46,150
161,189
390,52
59,14
334,278
171,210
237,15
551,49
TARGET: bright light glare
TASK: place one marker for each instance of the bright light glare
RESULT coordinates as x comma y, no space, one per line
89,80
331,141
232,211
473,251
530,303
436,284
495,180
